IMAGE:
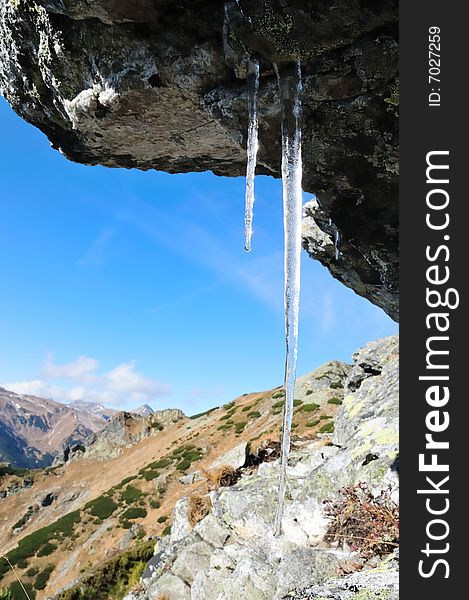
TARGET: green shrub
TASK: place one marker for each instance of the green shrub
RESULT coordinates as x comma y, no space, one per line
162,519
324,417
113,579
255,414
22,563
334,400
239,427
32,544
225,417
309,407
229,405
17,593
150,475
336,385
43,577
313,423
278,395
131,494
24,519
102,507
203,414
327,427
155,504
46,549
32,572
246,408
135,512
278,404
167,530
297,402
308,392
160,464
225,426
157,425
124,482
183,465
126,524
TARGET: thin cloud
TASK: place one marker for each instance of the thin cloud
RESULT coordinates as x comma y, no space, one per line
95,253
122,386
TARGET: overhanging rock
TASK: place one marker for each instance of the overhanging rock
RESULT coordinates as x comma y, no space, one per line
159,84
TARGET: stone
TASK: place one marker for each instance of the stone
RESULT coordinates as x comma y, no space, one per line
212,531
180,526
303,565
192,560
170,585
191,478
379,584
235,458
161,85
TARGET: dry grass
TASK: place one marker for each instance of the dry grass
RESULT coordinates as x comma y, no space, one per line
369,525
222,476
199,507
163,597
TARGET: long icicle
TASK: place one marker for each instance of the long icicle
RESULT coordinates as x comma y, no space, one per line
252,146
289,80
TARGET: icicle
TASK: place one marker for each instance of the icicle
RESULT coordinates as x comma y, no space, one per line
289,80
252,146
336,243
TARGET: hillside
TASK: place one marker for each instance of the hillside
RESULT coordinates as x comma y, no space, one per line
74,516
34,430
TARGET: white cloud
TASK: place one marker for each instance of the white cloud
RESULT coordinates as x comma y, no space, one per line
124,378
83,368
122,387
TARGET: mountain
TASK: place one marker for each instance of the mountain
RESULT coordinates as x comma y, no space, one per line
33,430
104,508
92,408
144,411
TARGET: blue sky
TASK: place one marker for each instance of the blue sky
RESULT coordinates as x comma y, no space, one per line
128,287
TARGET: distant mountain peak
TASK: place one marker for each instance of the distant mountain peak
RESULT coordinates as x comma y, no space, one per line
33,430
144,411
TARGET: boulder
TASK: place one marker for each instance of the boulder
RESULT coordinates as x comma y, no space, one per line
193,559
235,458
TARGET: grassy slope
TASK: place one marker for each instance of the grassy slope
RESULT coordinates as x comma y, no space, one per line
134,492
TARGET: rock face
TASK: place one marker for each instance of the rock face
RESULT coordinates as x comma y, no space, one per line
232,552
159,84
126,429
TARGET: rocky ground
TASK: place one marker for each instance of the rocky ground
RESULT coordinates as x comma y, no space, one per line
231,553
119,493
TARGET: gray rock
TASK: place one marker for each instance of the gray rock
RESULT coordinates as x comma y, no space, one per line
159,85
191,478
212,531
300,566
192,560
235,458
180,525
380,584
170,585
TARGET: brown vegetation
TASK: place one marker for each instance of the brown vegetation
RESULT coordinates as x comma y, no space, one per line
222,476
199,507
369,525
